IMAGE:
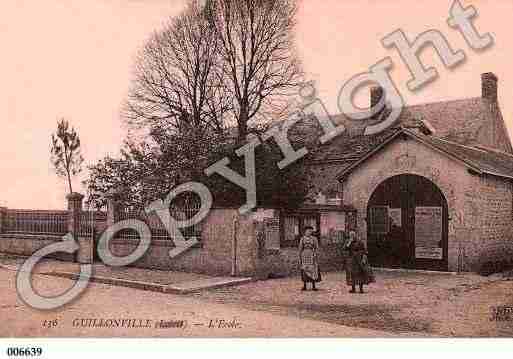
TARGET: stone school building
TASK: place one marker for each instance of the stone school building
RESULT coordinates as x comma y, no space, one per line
432,192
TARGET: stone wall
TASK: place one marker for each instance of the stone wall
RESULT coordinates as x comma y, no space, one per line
28,244
222,231
86,249
222,228
488,209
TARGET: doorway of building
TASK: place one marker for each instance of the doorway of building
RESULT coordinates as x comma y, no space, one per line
407,224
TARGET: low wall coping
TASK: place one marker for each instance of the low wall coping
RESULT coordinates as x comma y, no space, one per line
156,243
55,237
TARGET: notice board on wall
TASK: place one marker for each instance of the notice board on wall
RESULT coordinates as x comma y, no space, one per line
428,232
395,216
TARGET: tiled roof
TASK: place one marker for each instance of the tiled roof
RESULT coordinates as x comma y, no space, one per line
480,159
486,160
465,122
461,120
350,147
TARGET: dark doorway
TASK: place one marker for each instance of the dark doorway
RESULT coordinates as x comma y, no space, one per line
407,224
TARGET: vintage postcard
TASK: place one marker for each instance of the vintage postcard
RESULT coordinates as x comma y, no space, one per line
255,168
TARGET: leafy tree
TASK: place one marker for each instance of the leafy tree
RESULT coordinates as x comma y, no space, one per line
147,169
65,152
117,175
144,173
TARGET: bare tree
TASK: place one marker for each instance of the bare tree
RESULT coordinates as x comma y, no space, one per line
259,62
65,152
177,79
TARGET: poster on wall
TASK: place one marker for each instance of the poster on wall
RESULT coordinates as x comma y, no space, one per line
395,216
428,232
428,253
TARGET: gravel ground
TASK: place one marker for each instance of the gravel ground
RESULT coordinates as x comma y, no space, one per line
432,304
400,303
108,302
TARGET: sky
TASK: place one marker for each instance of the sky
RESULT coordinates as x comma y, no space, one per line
73,59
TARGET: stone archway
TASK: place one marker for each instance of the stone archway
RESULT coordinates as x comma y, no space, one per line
407,224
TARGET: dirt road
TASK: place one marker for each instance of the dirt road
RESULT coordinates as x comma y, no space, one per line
108,305
399,302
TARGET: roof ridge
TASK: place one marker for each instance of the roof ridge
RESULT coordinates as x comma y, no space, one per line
475,148
348,115
445,101
486,148
473,159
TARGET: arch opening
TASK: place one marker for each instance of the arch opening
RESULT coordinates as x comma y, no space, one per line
407,224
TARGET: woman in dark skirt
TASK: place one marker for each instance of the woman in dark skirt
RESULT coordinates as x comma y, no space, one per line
349,256
308,248
360,272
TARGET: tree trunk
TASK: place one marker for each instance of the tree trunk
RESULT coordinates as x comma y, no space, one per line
242,124
69,184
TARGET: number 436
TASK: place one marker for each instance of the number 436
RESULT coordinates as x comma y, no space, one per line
50,323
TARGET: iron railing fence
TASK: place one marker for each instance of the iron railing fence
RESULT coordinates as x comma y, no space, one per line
157,228
36,221
99,216
86,224
55,222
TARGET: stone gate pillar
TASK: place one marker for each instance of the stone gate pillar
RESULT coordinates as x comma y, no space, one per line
74,214
74,211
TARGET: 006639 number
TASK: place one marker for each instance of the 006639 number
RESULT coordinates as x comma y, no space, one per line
24,352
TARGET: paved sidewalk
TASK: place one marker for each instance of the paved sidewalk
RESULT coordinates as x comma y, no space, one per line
139,278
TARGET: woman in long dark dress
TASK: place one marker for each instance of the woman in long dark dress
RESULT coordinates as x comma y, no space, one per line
349,256
358,266
308,248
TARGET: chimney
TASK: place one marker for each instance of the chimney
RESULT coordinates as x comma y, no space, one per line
375,94
489,86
